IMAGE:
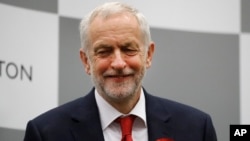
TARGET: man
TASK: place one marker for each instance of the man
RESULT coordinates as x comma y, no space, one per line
116,51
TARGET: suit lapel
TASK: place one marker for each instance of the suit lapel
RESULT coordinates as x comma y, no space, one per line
86,121
157,119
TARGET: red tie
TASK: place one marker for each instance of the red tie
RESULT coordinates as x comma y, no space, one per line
126,124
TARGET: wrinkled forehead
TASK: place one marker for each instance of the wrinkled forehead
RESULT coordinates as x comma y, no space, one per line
117,27
123,22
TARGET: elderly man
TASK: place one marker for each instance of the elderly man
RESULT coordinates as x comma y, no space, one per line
116,51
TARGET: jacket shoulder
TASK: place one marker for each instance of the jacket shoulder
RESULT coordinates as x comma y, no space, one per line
175,108
64,113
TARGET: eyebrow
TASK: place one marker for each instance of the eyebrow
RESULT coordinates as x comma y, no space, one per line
127,44
102,46
122,45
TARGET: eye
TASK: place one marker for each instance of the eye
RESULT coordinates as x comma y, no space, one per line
130,51
103,51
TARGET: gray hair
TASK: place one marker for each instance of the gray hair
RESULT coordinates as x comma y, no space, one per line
108,9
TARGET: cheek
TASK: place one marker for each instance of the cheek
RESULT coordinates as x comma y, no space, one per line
100,66
137,62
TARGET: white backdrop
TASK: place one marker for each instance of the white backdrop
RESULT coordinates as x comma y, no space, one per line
29,39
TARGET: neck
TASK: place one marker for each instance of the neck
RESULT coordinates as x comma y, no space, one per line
126,105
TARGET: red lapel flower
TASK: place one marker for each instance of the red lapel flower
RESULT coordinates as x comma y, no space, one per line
164,139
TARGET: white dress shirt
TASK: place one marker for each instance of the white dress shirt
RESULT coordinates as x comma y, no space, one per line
112,129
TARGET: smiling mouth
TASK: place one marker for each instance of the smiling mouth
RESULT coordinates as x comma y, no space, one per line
118,77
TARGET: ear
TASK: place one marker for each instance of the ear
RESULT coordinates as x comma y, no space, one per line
85,61
150,53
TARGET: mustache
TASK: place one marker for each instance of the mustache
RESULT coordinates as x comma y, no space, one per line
112,73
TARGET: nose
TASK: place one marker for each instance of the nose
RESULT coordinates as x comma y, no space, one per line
118,61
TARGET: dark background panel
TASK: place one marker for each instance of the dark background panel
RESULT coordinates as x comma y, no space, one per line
40,5
11,134
73,81
245,16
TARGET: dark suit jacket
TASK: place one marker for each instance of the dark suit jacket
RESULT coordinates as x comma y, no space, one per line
79,121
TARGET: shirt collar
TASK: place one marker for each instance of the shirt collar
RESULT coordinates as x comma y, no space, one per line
108,113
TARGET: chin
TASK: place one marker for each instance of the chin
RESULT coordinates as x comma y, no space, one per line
121,92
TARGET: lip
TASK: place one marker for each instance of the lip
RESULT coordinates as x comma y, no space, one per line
118,78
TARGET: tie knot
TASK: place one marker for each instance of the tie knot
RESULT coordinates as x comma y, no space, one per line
126,124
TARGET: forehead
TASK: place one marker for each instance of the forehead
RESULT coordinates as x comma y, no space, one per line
121,23
116,29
